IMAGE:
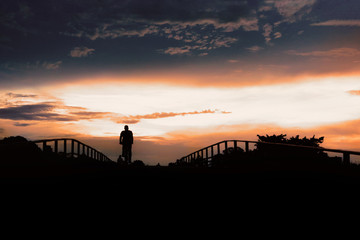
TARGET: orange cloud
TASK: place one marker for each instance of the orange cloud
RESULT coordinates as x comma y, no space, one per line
337,52
339,23
132,119
354,92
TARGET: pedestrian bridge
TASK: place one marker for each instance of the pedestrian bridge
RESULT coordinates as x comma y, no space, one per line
69,147
207,153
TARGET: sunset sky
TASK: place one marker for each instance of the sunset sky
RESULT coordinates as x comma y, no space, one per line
182,74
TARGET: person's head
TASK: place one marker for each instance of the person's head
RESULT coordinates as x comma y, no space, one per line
126,127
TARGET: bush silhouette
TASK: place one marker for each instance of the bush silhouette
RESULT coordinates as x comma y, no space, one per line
281,152
138,163
19,151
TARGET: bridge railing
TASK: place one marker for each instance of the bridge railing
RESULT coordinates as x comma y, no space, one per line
209,152
71,147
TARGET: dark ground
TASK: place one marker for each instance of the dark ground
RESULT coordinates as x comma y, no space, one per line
175,195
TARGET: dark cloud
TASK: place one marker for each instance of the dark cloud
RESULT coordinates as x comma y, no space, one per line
159,10
16,95
48,112
51,41
17,124
38,112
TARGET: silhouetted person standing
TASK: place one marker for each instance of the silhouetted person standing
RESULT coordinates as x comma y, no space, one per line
126,140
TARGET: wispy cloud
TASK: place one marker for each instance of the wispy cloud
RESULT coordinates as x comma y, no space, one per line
337,52
29,66
17,95
254,48
339,23
202,34
201,45
132,119
17,124
167,28
177,50
277,35
81,52
288,8
267,28
354,92
52,66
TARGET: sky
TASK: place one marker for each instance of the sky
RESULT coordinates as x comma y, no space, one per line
183,74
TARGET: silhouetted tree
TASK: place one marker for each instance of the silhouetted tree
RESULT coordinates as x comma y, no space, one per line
19,151
274,151
138,163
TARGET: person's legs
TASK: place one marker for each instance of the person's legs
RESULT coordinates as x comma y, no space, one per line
130,153
127,153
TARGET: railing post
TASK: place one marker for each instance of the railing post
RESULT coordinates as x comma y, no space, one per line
65,147
235,146
246,146
87,151
44,146
218,148
346,158
78,149
72,148
83,149
56,146
212,152
226,147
